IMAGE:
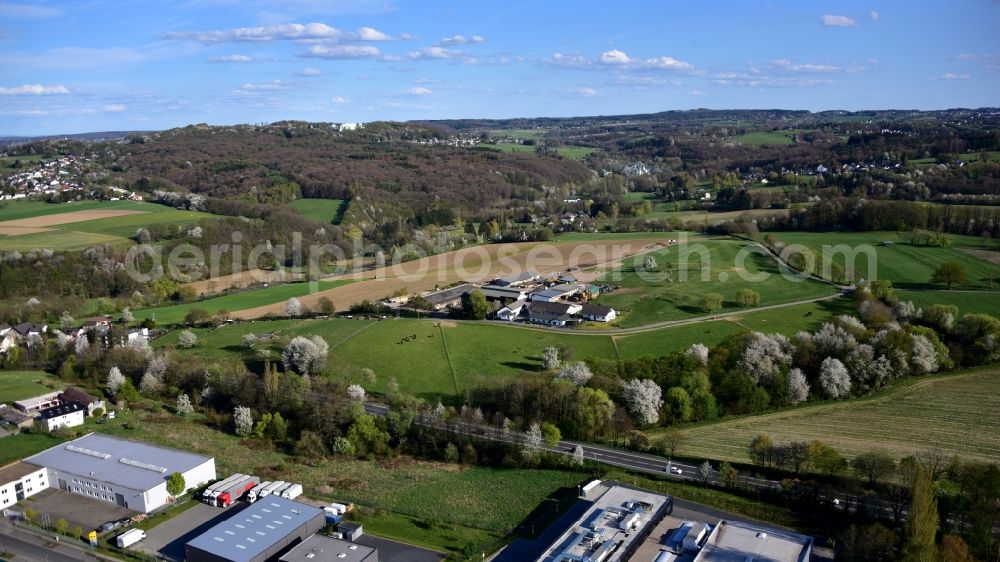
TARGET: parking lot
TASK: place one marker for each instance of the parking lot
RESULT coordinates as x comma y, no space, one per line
392,551
168,538
78,510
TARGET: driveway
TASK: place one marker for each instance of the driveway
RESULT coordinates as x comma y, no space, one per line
78,510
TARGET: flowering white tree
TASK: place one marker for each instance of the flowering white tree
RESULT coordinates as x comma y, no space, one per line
249,341
66,320
924,358
187,339
578,455
440,411
140,346
798,386
293,307
577,372
184,406
834,378
533,439
356,392
81,346
127,315
306,355
852,325
242,420
114,381
699,351
765,356
550,358
149,384
643,399
833,340
905,310
866,369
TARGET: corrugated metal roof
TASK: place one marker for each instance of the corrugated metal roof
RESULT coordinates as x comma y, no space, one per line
97,456
255,529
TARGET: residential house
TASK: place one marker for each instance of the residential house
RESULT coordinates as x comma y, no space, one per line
552,313
27,329
8,341
90,403
598,313
69,414
15,418
513,310
137,335
96,322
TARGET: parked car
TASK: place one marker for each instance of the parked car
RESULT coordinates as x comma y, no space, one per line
109,526
675,470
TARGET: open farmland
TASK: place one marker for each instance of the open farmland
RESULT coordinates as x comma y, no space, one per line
26,225
760,138
712,266
249,298
478,263
957,413
320,210
467,504
968,302
906,265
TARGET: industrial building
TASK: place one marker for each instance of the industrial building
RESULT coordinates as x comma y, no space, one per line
21,480
262,532
612,528
131,474
733,541
319,548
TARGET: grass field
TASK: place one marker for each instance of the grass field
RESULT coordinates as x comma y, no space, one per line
522,134
16,447
174,314
957,413
18,385
907,266
321,210
968,302
575,152
758,138
78,235
507,147
457,506
644,302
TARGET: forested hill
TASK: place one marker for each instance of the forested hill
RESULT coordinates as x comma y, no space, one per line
409,165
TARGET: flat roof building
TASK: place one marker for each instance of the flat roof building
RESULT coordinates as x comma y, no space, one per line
732,541
260,533
129,473
319,548
20,480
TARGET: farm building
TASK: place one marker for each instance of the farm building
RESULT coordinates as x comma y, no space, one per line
598,313
131,474
512,310
262,532
14,417
732,540
557,292
32,406
448,297
517,280
21,480
67,414
494,292
318,548
351,531
80,397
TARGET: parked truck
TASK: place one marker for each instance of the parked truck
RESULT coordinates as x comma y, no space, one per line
130,537
236,491
211,493
254,494
292,492
270,488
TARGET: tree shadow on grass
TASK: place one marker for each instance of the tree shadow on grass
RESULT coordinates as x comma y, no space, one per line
523,366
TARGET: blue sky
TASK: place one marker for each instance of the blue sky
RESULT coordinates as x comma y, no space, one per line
94,65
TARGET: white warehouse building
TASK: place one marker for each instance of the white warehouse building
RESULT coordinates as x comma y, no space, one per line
20,480
131,474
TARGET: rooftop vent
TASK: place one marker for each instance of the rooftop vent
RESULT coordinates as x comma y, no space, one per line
143,465
85,451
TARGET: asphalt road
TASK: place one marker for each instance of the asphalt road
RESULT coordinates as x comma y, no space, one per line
25,544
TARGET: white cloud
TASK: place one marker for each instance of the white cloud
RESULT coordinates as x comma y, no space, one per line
696,93
667,63
340,100
434,53
831,20
10,10
789,66
953,76
991,62
231,58
461,40
371,34
33,90
408,37
570,60
310,72
251,88
343,52
615,56
285,31
874,15
114,107
419,91
585,92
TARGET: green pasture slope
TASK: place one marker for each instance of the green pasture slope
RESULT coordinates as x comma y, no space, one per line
321,210
642,300
250,298
18,385
759,138
907,266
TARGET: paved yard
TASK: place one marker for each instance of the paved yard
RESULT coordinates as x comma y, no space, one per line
392,551
168,538
78,510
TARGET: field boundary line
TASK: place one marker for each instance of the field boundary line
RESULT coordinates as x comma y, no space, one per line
447,355
352,334
618,352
